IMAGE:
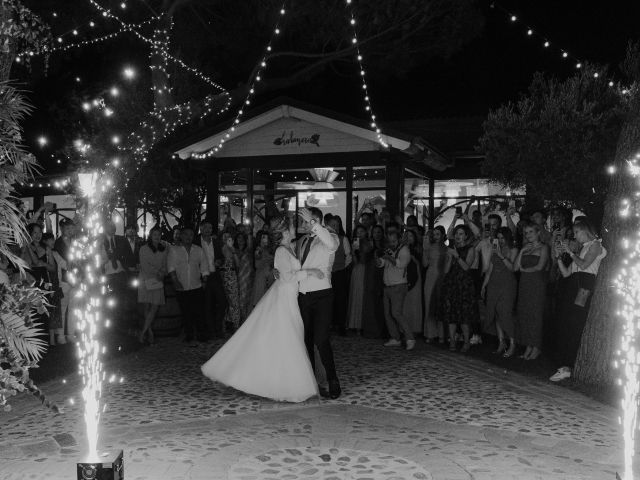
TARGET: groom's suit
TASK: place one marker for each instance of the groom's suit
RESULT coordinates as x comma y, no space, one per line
317,250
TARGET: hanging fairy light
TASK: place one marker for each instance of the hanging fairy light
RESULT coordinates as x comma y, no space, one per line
365,88
627,284
259,70
546,43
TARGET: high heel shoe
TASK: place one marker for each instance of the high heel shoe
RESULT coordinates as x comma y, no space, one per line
501,348
465,348
509,353
452,345
141,337
533,355
151,339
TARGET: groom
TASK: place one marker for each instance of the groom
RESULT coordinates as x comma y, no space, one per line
316,250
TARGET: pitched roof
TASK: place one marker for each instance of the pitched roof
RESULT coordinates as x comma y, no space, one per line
456,136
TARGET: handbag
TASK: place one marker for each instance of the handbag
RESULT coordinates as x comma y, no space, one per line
582,297
153,284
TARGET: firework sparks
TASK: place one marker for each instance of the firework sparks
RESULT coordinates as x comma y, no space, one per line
90,284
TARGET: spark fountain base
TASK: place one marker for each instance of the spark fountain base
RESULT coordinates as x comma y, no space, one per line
110,466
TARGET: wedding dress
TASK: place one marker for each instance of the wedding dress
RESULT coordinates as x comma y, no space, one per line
267,355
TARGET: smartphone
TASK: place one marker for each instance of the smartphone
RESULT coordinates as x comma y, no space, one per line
496,244
459,211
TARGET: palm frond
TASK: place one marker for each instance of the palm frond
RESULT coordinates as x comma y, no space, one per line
23,338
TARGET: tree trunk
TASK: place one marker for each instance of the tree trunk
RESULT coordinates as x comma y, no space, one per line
601,335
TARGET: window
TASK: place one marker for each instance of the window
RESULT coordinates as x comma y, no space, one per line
369,177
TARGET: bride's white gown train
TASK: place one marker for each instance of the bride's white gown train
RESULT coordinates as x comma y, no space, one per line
267,355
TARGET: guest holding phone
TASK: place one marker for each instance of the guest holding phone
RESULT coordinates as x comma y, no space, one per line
500,288
576,295
459,305
532,263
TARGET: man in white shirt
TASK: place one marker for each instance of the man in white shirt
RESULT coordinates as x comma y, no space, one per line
188,268
395,262
215,300
316,250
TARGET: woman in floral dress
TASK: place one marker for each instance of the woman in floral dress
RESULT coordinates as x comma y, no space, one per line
458,303
243,248
230,281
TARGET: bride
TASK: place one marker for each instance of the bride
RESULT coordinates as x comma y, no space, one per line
267,355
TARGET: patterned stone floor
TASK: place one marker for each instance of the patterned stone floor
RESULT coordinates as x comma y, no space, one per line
422,414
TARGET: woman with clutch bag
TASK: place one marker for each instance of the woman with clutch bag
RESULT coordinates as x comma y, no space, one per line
153,269
575,297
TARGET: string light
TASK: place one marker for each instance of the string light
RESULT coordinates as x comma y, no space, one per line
259,69
546,43
628,286
165,54
365,89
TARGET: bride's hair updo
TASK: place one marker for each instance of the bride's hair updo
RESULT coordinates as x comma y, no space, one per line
279,229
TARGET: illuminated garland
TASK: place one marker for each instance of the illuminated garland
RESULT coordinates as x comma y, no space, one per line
628,286
104,38
544,41
367,100
259,69
159,45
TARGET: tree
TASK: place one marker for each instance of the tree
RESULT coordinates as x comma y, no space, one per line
600,338
556,140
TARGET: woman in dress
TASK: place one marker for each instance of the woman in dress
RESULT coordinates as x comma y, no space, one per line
500,288
267,355
153,269
433,259
373,322
532,263
41,264
362,255
243,249
412,309
230,281
263,258
575,298
458,303
342,261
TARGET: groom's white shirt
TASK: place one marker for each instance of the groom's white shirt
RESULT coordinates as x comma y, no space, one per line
321,255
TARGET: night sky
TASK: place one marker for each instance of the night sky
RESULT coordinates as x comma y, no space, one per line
490,70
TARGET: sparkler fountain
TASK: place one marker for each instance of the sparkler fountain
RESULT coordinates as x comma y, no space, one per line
91,290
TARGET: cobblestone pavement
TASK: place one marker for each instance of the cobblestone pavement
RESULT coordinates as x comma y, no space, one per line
424,414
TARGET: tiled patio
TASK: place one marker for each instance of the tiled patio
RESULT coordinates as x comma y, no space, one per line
422,414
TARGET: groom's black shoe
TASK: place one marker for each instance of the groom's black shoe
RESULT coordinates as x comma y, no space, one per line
324,393
334,389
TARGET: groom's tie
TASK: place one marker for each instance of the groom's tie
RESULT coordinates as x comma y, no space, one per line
307,247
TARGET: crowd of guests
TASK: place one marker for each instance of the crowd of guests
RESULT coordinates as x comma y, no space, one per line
527,283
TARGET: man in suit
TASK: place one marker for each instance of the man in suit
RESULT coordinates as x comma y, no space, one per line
131,262
215,300
316,250
113,250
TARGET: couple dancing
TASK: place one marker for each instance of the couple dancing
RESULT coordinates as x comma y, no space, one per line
267,355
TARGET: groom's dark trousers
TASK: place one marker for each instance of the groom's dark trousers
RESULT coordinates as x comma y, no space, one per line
316,309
